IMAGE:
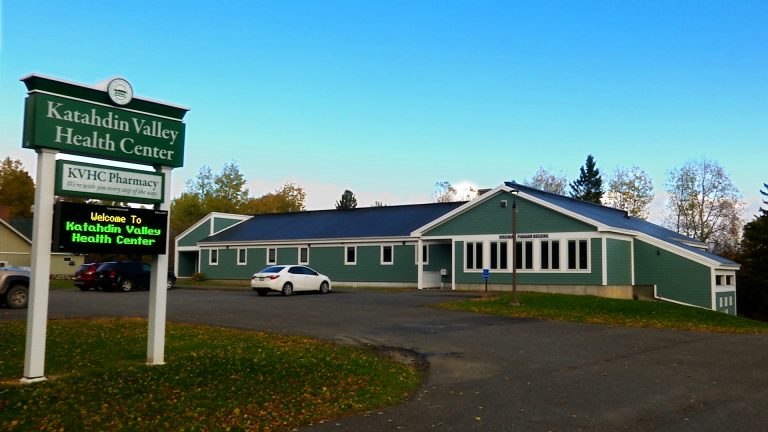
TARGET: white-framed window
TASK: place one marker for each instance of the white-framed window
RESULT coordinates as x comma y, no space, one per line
303,255
387,255
242,256
271,255
499,255
549,251
213,257
350,255
473,255
578,255
524,255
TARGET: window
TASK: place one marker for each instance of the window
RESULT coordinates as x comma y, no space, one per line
387,256
350,255
550,255
303,255
729,280
424,255
213,257
524,255
474,255
578,254
242,256
718,280
499,256
271,256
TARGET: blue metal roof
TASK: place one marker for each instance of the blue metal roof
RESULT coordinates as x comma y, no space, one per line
389,221
619,219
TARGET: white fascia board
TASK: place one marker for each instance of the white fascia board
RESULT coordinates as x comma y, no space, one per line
677,250
303,242
242,219
187,249
208,217
459,210
13,230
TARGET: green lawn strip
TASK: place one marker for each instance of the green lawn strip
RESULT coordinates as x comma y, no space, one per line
213,379
613,312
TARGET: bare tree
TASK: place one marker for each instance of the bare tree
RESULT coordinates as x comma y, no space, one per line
703,203
444,192
547,181
630,190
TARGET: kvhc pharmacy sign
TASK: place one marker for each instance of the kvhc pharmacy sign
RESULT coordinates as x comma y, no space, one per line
105,122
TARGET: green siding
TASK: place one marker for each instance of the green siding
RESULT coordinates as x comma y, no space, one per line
490,218
618,261
330,261
186,263
220,223
594,277
676,277
728,301
197,234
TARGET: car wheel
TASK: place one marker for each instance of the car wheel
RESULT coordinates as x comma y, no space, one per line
324,288
126,285
17,297
262,292
287,289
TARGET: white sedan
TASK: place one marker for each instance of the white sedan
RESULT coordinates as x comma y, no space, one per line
289,278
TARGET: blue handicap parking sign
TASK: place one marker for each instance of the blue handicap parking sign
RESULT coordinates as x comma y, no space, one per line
486,273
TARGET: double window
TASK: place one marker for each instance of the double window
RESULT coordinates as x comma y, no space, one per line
524,255
473,255
578,255
499,255
549,255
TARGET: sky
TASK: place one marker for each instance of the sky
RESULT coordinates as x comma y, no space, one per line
388,97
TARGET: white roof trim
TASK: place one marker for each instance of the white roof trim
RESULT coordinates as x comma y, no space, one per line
14,230
210,216
459,210
600,226
304,242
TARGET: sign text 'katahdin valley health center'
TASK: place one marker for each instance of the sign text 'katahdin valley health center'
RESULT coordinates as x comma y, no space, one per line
96,129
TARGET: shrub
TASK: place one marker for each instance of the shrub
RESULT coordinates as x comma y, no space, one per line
199,277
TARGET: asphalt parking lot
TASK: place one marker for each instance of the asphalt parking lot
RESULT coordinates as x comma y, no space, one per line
492,373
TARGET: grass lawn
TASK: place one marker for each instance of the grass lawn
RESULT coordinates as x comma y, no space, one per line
214,379
613,312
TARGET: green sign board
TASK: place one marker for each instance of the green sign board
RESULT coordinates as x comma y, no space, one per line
111,183
85,128
119,230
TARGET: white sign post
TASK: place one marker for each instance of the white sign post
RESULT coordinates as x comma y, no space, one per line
42,227
106,123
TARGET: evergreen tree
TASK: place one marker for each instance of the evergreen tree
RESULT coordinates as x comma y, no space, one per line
589,186
752,294
347,201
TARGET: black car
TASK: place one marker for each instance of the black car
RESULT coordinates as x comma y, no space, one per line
126,276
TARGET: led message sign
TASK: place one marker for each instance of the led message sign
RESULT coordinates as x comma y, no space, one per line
121,230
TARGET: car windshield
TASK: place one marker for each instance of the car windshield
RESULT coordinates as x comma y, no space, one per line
105,266
272,269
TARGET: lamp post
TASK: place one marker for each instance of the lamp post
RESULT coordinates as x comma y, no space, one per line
514,249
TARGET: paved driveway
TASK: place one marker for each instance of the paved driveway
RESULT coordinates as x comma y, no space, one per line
497,374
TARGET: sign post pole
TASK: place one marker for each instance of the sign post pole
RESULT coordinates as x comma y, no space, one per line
158,291
42,226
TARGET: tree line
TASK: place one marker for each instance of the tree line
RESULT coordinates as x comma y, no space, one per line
702,203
